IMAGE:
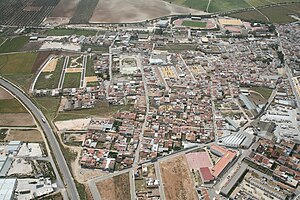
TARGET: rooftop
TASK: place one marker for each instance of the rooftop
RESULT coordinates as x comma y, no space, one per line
7,187
223,162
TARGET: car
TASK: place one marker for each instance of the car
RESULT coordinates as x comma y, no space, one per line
43,119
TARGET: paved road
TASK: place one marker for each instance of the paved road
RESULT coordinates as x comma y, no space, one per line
62,75
161,184
62,165
83,72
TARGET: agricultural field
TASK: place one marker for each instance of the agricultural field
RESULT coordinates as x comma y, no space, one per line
13,44
11,106
25,12
64,9
49,79
178,183
18,68
84,11
276,14
1,41
8,104
72,80
114,11
279,14
19,63
116,188
12,111
223,6
199,5
30,135
252,16
16,119
4,94
191,23
62,32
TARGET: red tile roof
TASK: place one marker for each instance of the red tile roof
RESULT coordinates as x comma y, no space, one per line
206,174
223,162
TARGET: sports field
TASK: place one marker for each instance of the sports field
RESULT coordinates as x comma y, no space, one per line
191,23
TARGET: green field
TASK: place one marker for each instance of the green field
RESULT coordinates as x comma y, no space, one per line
265,92
276,14
1,40
252,16
72,80
84,11
221,5
90,67
279,14
11,106
49,80
101,109
48,105
19,63
191,23
14,44
62,32
18,68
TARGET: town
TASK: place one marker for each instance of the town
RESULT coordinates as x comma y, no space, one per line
183,107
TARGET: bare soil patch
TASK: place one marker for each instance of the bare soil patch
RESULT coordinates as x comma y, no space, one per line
91,79
41,57
51,65
16,119
116,188
177,179
32,46
116,11
32,8
76,124
73,70
24,135
4,94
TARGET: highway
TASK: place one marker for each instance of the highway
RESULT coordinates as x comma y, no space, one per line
62,165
